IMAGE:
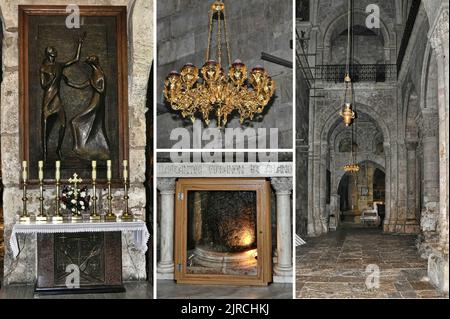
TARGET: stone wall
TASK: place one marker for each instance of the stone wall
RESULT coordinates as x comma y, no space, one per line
302,140
140,29
254,27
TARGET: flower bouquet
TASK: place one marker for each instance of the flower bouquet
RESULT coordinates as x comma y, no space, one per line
75,202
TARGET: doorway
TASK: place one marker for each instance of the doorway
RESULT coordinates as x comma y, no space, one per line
364,190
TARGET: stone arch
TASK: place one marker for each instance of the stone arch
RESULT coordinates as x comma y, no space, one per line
340,174
332,119
332,23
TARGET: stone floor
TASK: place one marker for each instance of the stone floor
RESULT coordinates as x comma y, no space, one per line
135,290
334,266
168,289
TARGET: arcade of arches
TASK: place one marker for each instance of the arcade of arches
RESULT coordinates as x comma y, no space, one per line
400,74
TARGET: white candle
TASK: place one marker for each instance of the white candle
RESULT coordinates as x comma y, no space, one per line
94,170
57,173
108,169
125,170
24,171
41,171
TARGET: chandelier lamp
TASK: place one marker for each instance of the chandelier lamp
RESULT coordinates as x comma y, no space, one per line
347,113
199,92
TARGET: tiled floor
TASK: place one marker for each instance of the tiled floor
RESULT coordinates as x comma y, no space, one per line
334,266
168,289
135,290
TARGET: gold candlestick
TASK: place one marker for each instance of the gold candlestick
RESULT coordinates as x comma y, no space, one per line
24,217
94,215
41,217
76,217
57,218
110,216
126,215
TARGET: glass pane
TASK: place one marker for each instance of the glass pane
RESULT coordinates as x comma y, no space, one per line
222,233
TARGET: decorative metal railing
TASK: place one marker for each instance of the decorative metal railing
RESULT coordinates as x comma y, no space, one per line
358,72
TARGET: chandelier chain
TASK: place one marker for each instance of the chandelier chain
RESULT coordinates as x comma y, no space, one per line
210,17
226,37
219,40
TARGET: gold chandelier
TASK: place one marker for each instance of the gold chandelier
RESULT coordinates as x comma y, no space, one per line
215,92
347,113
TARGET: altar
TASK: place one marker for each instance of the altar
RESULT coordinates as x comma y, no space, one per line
80,257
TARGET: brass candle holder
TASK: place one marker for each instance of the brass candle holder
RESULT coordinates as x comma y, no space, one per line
41,217
76,217
126,215
94,215
110,216
24,217
57,218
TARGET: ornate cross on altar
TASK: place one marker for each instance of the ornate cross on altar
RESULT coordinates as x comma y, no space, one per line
75,181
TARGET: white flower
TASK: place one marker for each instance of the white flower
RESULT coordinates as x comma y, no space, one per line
70,193
73,201
83,194
82,207
73,209
63,206
81,202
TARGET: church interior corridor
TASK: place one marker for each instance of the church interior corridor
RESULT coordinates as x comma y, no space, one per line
372,149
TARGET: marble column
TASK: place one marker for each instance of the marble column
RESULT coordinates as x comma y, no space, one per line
438,264
283,267
165,269
430,145
412,224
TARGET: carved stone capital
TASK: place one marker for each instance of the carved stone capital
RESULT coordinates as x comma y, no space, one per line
429,124
282,185
439,37
166,185
429,217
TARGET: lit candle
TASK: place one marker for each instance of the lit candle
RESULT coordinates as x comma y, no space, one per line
24,171
41,171
108,169
57,173
125,170
94,170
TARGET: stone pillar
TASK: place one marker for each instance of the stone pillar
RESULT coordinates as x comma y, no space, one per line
430,209
166,187
411,225
438,260
283,267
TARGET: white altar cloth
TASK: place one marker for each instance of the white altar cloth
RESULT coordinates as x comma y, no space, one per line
137,227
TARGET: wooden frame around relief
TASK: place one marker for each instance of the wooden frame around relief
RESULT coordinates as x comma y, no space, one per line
264,238
119,91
